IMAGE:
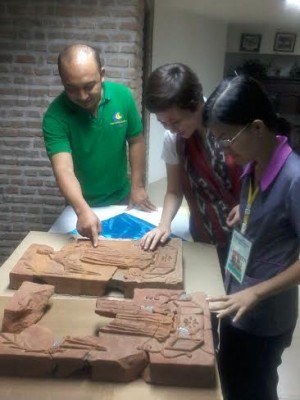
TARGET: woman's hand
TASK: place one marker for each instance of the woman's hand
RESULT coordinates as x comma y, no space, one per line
234,216
237,304
157,235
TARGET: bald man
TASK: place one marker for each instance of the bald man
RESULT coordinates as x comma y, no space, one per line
86,129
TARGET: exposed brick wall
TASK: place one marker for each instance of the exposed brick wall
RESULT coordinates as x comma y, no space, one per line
32,32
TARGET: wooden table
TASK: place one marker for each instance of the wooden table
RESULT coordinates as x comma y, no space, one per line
75,315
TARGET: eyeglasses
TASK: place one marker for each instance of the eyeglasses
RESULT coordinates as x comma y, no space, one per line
226,143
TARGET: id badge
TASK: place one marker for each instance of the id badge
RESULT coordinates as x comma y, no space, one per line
238,256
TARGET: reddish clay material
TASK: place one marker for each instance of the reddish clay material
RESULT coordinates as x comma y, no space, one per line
162,335
80,269
26,307
176,334
36,352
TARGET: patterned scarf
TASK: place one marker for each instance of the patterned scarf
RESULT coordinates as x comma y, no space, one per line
211,186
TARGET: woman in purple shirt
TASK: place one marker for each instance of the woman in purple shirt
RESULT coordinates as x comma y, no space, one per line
259,312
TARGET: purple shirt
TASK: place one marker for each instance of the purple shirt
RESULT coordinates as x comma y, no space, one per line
277,161
274,230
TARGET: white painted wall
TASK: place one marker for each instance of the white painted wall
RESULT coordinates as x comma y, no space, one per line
180,36
277,63
268,35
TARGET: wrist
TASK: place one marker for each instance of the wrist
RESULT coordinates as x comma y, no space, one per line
257,293
81,209
136,185
164,225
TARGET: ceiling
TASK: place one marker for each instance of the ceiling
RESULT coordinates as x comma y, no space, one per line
267,12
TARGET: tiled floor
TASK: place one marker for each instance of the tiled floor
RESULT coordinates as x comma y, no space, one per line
289,382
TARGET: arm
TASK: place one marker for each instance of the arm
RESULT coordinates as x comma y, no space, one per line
240,302
172,202
88,223
138,195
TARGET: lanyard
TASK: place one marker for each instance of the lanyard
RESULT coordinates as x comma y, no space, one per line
251,197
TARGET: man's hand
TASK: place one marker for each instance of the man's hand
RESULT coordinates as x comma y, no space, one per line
89,225
157,235
139,199
238,303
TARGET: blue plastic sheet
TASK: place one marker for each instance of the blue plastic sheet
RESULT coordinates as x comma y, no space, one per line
123,226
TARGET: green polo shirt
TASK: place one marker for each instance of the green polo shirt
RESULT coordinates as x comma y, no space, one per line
97,145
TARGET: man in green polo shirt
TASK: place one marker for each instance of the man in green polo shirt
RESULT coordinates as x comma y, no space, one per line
86,131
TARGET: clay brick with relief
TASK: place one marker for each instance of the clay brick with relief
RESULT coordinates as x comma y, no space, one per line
80,269
164,336
26,307
172,327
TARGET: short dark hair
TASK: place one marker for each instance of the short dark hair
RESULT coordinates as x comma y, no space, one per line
173,85
239,101
69,52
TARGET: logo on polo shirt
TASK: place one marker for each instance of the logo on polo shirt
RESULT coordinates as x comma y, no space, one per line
117,118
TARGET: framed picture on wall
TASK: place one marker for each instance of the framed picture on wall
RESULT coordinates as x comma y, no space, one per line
250,42
285,42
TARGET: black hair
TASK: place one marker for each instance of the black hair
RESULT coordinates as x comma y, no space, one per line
173,85
68,53
241,100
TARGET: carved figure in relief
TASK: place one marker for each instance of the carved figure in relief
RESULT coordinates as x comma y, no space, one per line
173,323
80,269
80,257
162,335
